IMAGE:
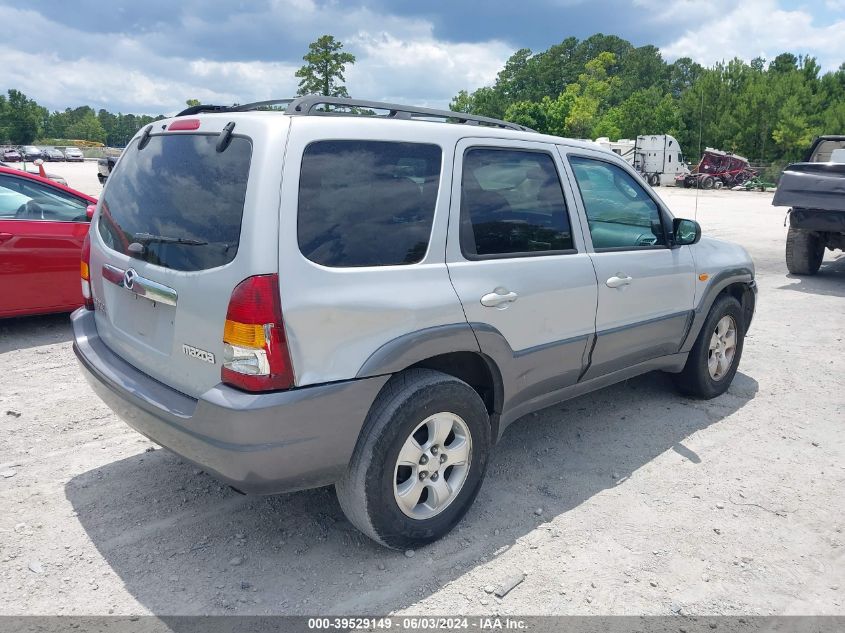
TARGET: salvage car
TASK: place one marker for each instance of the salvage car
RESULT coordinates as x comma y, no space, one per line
74,154
53,155
292,300
42,228
31,153
12,156
815,192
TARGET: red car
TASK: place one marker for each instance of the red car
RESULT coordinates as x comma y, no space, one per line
42,227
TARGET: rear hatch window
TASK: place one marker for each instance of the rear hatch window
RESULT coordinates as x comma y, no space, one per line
178,202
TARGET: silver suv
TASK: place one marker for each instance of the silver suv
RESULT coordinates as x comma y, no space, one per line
369,296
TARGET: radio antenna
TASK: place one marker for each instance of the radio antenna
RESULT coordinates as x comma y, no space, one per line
700,134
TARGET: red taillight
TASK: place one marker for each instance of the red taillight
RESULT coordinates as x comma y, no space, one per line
184,124
85,273
255,351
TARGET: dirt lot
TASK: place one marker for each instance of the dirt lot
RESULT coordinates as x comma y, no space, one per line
632,500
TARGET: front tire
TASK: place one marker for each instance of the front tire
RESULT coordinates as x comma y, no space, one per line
714,359
419,461
804,252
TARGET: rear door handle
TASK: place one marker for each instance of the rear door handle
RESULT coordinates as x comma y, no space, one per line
5,237
619,280
499,298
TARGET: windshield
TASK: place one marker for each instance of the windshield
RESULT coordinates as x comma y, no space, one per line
180,199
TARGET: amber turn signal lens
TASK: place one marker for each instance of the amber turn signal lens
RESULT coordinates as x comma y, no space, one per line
244,334
703,277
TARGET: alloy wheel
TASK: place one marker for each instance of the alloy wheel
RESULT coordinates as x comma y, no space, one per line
722,348
432,466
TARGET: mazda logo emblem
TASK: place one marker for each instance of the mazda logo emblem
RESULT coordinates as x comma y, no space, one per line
129,278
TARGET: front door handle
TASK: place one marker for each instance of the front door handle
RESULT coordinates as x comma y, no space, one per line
619,280
499,298
5,237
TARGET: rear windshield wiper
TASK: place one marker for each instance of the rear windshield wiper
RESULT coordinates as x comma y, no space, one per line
163,239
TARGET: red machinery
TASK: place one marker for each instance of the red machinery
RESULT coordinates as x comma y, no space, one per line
718,169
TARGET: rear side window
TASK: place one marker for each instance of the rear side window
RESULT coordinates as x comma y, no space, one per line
180,199
367,203
512,204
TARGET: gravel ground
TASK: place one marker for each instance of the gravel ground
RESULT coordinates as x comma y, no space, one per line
631,500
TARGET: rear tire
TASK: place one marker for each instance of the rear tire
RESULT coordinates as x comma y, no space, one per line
804,252
401,500
712,365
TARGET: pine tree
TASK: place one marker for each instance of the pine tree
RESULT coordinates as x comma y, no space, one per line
323,72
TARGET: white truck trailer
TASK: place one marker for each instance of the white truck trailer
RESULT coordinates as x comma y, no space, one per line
658,157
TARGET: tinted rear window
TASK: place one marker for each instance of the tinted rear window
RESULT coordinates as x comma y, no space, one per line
367,203
180,198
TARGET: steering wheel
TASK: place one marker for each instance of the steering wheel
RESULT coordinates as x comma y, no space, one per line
31,210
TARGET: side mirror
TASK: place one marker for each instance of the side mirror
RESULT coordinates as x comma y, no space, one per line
685,232
89,211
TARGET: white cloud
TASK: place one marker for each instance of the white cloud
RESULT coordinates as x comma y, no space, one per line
735,34
682,11
397,59
426,71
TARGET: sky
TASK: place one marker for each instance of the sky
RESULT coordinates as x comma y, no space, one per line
150,56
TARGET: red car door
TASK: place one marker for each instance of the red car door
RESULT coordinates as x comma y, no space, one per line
41,233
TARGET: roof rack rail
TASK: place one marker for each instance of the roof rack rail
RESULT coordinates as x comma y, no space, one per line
308,105
246,107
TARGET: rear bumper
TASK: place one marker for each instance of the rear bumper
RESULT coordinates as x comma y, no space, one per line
257,443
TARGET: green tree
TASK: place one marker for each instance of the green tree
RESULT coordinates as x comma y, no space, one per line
594,87
4,119
87,128
793,133
23,118
192,102
323,72
528,113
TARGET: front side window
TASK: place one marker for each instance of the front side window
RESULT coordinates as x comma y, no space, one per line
22,199
512,204
367,203
620,213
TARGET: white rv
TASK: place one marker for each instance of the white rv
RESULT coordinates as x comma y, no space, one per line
657,157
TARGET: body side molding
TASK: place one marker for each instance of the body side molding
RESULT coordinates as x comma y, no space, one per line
411,348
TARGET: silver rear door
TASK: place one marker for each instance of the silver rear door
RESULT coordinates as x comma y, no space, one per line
517,260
